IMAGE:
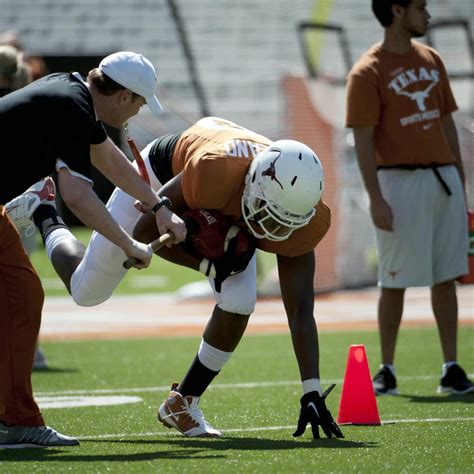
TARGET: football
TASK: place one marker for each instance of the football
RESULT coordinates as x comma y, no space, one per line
209,232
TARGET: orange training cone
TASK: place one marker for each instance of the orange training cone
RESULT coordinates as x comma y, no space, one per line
358,405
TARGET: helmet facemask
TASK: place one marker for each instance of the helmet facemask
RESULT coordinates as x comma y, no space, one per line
265,221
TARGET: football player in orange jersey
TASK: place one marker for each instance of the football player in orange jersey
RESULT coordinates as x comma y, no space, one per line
274,190
271,188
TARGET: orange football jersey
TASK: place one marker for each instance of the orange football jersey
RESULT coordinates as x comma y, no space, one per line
214,156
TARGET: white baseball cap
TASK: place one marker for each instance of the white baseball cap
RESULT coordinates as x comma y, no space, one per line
134,72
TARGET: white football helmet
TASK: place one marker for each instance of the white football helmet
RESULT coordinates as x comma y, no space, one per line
283,185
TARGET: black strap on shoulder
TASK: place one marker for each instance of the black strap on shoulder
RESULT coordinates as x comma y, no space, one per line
161,155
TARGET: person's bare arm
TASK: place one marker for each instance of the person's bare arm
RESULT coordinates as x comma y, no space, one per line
114,165
146,230
296,282
86,205
381,212
453,142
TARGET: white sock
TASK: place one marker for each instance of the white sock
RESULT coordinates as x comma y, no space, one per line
212,358
312,385
55,237
390,367
446,366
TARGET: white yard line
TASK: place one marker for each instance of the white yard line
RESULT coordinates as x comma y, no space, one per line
166,388
60,402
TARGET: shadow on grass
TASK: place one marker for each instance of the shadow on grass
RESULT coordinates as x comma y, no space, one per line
184,449
251,444
468,398
61,455
56,370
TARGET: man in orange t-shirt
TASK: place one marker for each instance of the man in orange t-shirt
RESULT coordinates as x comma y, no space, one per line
399,104
273,190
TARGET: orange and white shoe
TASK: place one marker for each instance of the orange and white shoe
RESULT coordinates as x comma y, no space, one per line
184,414
21,209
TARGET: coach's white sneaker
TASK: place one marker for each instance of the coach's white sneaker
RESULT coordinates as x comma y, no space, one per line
21,208
16,437
183,413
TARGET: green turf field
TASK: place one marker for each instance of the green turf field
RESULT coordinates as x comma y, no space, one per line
255,401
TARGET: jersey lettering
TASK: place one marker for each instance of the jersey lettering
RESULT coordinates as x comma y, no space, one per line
238,148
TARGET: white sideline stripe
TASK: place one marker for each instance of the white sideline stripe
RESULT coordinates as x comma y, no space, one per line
166,388
85,401
267,428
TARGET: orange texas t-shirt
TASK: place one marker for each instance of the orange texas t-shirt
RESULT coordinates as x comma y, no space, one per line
214,156
404,97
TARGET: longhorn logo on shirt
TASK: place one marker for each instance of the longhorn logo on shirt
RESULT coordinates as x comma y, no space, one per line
271,171
419,96
393,273
410,76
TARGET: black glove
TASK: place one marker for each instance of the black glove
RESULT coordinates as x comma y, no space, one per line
314,411
229,263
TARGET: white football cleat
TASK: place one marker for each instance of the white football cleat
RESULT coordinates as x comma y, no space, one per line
17,437
21,209
184,414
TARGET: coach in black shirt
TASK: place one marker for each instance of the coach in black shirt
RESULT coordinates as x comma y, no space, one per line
55,124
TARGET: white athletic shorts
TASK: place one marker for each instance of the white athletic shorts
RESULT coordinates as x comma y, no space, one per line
429,241
101,269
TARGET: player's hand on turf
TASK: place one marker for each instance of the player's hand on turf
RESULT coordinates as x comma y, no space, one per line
314,411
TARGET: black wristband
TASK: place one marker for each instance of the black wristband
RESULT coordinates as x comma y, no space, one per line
164,202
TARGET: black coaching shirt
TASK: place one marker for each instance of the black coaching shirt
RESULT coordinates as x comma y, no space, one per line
52,118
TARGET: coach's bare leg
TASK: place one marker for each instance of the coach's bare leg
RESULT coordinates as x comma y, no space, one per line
66,257
225,330
445,308
390,312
